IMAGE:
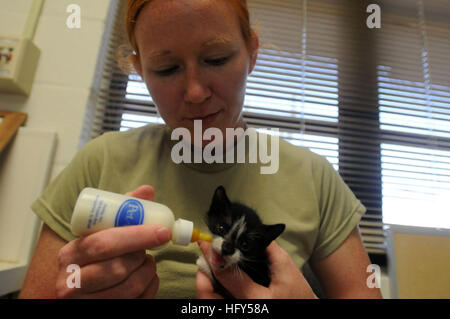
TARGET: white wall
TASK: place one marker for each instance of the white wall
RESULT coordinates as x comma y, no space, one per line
66,72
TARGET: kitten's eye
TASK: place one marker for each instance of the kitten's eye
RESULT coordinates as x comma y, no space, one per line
221,229
244,245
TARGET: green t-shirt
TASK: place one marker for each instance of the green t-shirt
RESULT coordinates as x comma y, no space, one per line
306,194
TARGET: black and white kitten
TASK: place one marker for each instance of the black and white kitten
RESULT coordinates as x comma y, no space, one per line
240,240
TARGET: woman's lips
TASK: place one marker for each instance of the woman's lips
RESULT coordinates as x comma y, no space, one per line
206,120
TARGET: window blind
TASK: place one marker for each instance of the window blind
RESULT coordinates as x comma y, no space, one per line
374,102
414,104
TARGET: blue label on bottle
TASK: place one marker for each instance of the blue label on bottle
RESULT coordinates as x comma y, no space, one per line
131,212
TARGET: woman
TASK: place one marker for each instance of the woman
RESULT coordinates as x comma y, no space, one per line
195,56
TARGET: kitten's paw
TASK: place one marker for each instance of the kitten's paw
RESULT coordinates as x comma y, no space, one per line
203,266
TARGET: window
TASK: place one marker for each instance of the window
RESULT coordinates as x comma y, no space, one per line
278,90
416,180
374,102
414,114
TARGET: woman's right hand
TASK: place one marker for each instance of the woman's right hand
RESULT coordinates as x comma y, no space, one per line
113,262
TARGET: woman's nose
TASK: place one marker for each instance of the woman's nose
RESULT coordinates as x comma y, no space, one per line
196,88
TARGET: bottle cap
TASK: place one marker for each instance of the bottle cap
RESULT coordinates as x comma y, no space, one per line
182,232
197,235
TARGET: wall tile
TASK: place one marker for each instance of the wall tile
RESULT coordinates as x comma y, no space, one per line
16,6
12,23
68,56
90,9
60,109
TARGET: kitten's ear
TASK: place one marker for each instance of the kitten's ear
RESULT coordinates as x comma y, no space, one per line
219,205
271,232
220,196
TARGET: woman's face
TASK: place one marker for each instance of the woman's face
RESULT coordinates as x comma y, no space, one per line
194,61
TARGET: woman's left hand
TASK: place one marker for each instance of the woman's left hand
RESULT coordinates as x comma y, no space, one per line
286,280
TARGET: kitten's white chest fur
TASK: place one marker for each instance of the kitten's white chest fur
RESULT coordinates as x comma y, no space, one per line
237,229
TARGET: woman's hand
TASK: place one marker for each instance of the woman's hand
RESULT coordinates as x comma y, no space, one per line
113,261
286,281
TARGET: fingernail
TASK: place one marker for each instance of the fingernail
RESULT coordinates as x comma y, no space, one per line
163,234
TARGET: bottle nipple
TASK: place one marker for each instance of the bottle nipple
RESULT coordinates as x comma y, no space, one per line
197,235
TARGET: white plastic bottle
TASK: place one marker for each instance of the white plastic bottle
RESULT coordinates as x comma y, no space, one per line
97,209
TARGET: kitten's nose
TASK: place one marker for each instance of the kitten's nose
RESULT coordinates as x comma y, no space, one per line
227,248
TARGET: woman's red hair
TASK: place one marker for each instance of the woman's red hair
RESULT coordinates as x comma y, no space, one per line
134,8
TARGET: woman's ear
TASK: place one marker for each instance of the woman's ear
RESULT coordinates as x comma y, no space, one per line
254,54
134,58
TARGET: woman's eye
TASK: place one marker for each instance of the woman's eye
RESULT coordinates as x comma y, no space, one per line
166,72
214,62
218,61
